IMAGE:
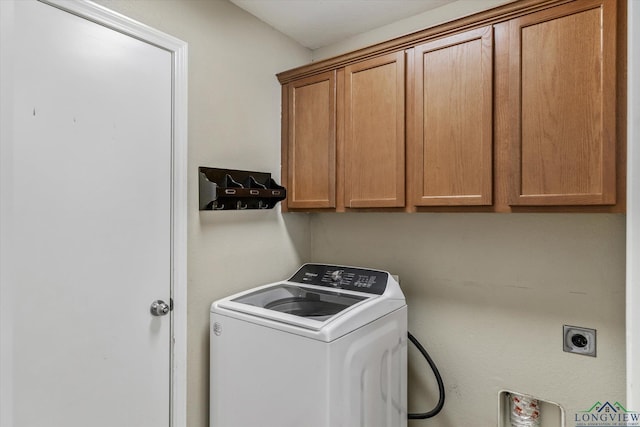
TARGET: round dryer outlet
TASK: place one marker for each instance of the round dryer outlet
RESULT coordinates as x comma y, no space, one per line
579,340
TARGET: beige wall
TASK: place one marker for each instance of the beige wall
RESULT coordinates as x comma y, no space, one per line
234,122
488,295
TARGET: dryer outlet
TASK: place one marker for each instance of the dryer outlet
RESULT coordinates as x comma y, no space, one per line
579,340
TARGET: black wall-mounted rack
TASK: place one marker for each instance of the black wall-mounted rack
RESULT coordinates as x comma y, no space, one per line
229,189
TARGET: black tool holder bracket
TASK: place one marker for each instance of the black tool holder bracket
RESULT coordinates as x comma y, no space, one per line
229,189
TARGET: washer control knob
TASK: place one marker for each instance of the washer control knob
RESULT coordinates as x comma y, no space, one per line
336,276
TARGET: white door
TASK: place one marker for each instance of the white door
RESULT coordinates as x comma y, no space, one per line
87,223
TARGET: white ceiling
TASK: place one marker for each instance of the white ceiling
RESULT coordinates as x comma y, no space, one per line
319,23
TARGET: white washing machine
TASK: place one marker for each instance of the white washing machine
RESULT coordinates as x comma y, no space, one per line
325,348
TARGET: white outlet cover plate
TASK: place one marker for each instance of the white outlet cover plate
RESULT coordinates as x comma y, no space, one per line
570,347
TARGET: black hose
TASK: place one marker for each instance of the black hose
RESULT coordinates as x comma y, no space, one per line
438,407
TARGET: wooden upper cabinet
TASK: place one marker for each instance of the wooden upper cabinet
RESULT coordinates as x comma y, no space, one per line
374,141
562,89
519,108
311,142
452,120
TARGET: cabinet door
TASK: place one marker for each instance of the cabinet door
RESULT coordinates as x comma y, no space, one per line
452,119
311,151
563,105
374,132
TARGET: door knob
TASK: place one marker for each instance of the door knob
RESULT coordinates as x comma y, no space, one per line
160,308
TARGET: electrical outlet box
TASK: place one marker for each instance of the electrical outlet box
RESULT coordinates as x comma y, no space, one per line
576,339
551,413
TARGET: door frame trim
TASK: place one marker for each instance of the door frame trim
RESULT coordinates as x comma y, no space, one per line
633,208
179,50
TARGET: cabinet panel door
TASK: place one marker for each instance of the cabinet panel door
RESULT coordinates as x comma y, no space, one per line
453,120
312,142
563,105
374,132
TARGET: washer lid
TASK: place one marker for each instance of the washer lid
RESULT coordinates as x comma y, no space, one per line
319,301
318,304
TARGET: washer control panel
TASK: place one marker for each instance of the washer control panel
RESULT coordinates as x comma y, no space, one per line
349,278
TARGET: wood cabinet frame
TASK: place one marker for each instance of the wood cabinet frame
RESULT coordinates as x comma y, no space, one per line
504,197
365,194
606,195
454,154
311,160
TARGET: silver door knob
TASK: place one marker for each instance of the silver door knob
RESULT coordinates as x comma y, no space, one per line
160,308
